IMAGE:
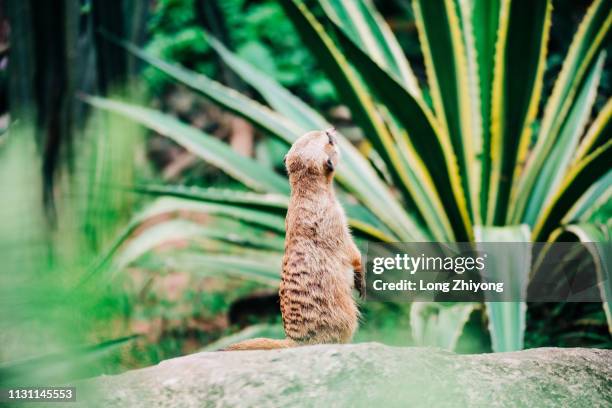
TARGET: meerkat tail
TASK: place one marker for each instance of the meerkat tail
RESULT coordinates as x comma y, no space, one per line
261,344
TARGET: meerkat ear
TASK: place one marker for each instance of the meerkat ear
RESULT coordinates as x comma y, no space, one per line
293,166
329,164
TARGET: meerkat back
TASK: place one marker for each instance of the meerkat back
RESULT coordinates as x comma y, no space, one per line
321,263
320,256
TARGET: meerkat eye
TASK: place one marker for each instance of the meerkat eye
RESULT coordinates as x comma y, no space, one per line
329,164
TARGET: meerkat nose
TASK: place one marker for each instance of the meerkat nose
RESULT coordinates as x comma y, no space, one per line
331,132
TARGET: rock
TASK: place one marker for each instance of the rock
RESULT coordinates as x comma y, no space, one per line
359,375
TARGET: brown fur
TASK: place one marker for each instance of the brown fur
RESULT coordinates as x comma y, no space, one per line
261,344
321,263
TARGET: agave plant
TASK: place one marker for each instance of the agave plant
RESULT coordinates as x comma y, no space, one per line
470,156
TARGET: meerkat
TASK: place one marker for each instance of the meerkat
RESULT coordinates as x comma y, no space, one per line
321,264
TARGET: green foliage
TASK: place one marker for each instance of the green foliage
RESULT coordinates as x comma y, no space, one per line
60,366
42,266
269,41
507,319
259,32
61,170
177,37
439,324
481,162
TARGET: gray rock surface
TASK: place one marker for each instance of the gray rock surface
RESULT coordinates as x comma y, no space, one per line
361,375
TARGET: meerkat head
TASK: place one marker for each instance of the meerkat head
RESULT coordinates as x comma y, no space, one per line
314,155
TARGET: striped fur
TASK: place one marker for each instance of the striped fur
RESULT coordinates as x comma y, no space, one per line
321,262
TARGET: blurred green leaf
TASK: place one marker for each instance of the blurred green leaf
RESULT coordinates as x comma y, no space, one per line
507,319
264,269
595,198
575,183
170,205
181,231
600,247
57,368
247,199
244,169
439,324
